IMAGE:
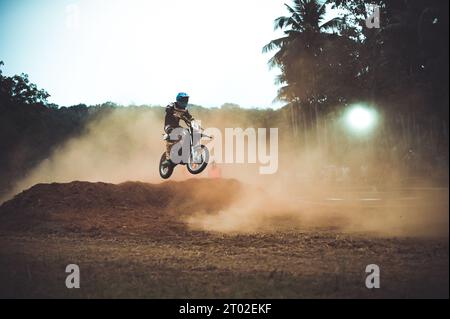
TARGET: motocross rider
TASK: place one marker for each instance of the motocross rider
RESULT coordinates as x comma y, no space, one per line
174,113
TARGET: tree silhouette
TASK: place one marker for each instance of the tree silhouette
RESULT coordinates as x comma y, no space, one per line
312,68
19,90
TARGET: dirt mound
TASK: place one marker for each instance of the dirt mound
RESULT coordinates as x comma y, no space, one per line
98,209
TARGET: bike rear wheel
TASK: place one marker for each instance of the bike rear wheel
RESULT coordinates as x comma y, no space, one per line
165,171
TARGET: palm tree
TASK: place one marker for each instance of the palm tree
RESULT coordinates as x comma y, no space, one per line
304,29
301,53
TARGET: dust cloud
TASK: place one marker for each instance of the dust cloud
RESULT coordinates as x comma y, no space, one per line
353,188
298,198
254,212
126,145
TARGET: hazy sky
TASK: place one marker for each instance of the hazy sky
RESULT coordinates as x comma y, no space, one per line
142,51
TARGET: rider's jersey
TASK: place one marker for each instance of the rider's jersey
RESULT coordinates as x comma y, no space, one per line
174,115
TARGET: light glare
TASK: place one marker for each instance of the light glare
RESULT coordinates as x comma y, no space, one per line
360,118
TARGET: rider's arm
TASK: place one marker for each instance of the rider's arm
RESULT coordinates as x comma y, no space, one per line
187,117
169,120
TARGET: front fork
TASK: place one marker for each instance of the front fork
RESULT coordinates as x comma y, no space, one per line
194,144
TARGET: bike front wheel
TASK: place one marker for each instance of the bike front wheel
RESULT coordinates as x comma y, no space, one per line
198,160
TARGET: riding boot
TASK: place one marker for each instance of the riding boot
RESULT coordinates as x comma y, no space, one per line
168,148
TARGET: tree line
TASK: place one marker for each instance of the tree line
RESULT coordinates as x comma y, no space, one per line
327,63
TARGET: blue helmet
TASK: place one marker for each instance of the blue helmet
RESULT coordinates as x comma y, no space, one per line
182,100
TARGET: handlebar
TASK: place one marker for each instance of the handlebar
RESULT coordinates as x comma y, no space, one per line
189,124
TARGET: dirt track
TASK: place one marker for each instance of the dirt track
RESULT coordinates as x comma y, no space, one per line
132,240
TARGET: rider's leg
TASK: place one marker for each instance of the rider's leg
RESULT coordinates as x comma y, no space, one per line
167,162
168,129
169,145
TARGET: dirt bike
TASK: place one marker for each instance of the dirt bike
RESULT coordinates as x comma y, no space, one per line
198,158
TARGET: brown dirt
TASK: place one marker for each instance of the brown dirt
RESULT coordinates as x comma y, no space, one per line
133,240
109,210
